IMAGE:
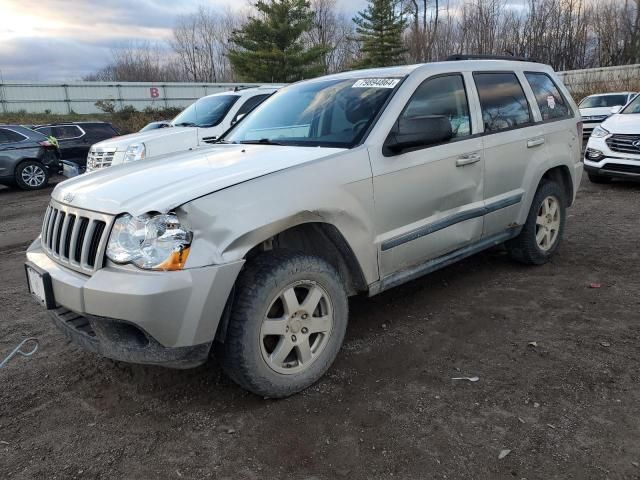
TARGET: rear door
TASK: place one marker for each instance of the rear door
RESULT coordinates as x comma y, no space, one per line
73,141
428,201
513,142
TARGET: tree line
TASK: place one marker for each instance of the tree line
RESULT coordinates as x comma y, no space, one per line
288,40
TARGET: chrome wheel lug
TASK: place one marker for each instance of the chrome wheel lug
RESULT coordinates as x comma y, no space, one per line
305,316
305,330
293,338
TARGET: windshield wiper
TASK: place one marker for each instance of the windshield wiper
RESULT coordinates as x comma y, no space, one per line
185,124
262,141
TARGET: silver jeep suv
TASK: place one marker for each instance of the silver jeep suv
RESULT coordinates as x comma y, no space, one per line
346,184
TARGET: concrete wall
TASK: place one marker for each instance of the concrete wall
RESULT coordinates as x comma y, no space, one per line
80,97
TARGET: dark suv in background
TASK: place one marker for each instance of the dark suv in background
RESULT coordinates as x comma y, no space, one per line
27,158
75,139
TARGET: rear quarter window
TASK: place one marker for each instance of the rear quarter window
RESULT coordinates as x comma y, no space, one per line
551,102
9,136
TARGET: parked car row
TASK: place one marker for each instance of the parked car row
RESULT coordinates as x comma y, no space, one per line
199,124
347,184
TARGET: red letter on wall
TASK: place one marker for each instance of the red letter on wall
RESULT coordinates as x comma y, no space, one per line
154,92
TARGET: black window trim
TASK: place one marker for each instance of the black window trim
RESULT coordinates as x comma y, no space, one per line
2,127
571,113
387,153
531,123
266,97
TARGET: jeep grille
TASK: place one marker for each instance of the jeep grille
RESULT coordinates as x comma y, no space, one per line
75,238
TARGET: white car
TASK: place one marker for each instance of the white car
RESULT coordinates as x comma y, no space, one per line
614,146
594,109
200,123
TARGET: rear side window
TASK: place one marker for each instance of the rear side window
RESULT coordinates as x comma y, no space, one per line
504,105
66,132
101,131
250,104
9,136
550,101
442,96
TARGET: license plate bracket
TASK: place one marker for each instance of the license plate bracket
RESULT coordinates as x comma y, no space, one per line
39,285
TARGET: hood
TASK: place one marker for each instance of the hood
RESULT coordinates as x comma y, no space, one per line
169,134
625,123
595,112
163,184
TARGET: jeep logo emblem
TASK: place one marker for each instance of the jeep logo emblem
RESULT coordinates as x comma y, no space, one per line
68,197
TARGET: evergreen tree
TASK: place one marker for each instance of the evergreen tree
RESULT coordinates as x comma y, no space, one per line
380,28
270,48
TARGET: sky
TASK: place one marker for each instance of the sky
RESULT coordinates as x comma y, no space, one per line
57,40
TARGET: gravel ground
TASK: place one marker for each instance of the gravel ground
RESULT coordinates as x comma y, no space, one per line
566,407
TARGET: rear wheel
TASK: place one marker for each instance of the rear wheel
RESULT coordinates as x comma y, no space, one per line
595,178
31,175
288,320
542,232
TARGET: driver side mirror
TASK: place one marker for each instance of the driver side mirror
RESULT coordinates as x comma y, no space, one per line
616,109
416,132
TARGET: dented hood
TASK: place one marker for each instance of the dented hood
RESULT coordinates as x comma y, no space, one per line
165,183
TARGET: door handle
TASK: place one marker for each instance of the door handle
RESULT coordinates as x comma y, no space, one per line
534,142
467,159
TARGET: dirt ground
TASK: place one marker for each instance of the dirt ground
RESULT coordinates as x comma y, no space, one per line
566,408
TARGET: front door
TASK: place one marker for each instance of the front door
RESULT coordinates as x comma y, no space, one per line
429,201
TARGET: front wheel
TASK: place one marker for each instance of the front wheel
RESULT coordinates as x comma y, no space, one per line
543,230
287,323
31,175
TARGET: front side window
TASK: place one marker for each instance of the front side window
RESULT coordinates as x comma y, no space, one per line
324,113
250,104
549,99
603,101
66,132
206,112
504,105
442,96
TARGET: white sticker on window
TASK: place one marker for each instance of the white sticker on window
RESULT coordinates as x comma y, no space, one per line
551,102
376,83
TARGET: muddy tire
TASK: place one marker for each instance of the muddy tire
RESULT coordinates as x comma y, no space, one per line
31,175
287,323
542,232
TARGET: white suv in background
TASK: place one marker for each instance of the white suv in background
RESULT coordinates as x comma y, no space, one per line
614,146
594,109
202,122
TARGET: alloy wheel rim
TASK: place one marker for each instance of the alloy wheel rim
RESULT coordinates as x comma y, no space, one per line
296,327
33,175
548,223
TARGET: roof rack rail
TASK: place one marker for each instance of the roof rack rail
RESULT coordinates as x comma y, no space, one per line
464,56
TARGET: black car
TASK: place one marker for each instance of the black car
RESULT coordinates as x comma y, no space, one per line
27,158
75,139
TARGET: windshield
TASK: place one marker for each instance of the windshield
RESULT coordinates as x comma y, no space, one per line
633,107
329,113
599,101
206,112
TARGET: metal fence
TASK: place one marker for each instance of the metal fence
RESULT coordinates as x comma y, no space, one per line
80,97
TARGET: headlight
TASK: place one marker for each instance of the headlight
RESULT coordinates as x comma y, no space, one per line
135,152
599,132
150,241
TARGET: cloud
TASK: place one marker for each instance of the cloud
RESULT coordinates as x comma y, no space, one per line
67,39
